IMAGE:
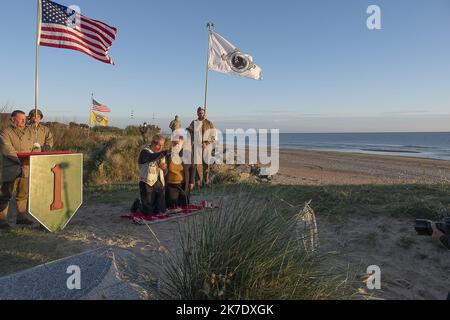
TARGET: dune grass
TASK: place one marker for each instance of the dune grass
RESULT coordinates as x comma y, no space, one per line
110,154
251,248
428,201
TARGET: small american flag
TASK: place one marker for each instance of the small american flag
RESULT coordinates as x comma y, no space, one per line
62,27
96,106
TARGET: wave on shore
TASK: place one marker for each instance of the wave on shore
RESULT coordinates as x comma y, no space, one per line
431,145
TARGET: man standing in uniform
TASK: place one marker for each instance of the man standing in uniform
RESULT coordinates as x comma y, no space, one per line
202,136
42,136
143,129
15,139
175,124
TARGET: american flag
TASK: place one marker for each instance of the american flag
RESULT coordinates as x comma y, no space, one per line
96,106
62,27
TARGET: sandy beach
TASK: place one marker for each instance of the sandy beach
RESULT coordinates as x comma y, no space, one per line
322,168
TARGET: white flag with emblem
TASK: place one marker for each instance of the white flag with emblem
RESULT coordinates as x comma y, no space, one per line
226,58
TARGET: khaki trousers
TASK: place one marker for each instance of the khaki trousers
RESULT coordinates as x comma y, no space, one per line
20,186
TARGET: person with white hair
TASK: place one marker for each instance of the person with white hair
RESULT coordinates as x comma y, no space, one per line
152,168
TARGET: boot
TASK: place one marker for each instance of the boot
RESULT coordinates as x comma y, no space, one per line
135,207
22,220
21,213
4,219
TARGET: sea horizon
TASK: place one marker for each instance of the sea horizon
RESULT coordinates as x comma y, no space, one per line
364,132
430,145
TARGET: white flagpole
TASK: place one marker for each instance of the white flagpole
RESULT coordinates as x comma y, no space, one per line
36,78
210,26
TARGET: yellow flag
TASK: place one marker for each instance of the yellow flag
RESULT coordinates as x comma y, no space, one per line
98,119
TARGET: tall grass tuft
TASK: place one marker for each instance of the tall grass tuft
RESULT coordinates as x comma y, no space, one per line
250,248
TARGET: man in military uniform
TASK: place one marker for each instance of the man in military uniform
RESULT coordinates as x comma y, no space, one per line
16,138
175,124
143,129
42,136
204,129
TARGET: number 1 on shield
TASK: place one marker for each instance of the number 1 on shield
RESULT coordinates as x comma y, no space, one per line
57,186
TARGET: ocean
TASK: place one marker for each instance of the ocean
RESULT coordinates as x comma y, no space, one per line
432,145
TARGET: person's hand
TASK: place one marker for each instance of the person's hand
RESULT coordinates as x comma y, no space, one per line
437,234
191,186
205,144
163,166
36,147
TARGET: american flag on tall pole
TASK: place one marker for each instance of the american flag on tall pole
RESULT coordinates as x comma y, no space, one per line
96,106
63,27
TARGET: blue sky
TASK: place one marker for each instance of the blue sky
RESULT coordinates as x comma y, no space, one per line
324,71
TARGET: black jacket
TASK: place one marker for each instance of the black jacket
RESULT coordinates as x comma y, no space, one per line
146,156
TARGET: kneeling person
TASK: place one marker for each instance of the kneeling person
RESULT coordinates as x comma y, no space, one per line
152,167
180,177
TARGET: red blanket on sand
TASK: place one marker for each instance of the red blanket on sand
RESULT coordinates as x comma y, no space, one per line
139,218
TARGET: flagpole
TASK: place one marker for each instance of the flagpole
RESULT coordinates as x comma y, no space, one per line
90,109
210,26
36,76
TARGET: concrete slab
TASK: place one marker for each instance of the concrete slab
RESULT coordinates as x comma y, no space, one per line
99,279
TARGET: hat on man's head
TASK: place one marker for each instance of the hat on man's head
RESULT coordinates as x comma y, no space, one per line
201,108
33,113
